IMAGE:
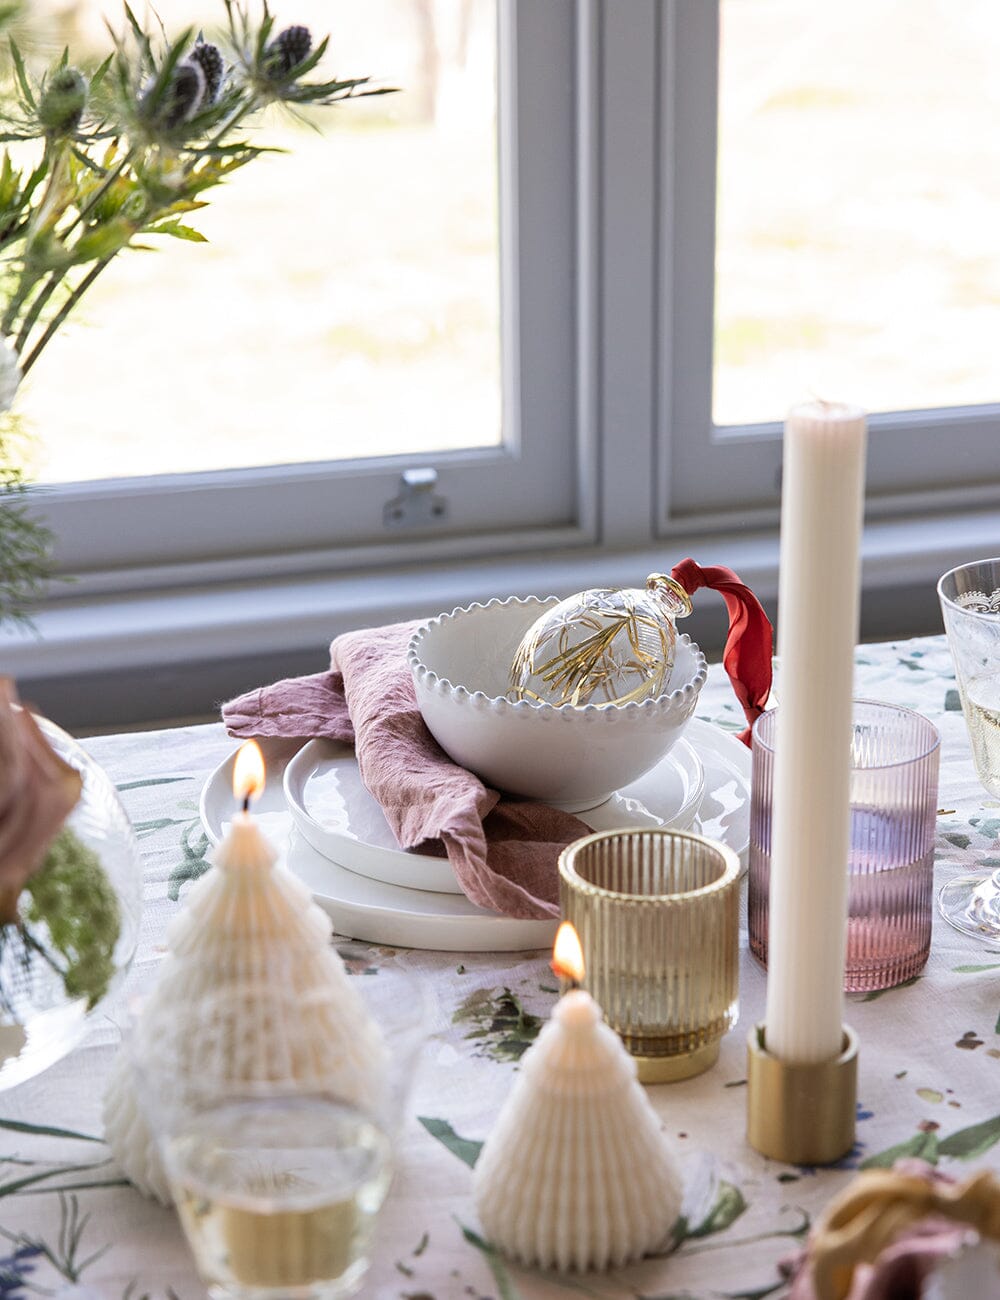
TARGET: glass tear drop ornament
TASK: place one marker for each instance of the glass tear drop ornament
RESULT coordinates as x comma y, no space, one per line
605,646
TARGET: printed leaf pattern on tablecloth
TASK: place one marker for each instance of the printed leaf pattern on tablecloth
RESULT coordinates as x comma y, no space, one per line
501,1026
931,1048
465,1148
194,846
964,1144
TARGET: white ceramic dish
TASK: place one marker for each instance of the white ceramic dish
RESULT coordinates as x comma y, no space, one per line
376,912
336,815
573,757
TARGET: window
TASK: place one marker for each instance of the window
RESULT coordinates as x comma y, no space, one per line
854,244
637,347
386,296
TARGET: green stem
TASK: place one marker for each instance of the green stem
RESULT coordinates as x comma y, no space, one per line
28,282
15,233
58,276
231,124
99,193
64,311
57,167
28,324
83,212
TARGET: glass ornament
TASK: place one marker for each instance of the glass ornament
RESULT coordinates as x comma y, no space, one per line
605,646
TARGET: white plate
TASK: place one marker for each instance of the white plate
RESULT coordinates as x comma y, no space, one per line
339,818
376,912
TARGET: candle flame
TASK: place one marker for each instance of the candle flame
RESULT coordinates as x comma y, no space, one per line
567,954
248,772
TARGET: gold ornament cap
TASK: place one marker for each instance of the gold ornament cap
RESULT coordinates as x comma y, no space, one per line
660,584
801,1114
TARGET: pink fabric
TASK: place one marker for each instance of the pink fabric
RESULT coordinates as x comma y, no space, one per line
504,850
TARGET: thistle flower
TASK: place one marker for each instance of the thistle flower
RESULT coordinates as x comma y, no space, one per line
184,95
174,114
61,106
288,49
209,59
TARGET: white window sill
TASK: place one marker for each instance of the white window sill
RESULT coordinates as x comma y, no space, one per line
103,635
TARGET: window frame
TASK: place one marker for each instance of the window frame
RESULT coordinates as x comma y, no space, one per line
536,489
714,476
648,478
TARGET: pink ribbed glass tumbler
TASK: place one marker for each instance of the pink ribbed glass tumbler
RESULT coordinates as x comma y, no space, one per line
895,756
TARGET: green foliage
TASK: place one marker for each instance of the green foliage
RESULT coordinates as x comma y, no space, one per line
108,156
119,154
25,561
73,898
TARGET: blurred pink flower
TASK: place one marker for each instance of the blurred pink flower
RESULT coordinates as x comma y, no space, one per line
37,792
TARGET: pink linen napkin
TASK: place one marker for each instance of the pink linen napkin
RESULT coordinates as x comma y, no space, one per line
504,850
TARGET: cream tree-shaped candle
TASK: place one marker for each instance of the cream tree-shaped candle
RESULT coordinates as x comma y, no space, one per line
248,927
577,1173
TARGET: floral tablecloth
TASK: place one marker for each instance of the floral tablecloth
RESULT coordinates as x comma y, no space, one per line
929,1073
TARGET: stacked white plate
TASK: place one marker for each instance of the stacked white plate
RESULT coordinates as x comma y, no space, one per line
334,836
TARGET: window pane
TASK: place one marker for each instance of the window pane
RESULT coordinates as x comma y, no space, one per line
859,203
348,302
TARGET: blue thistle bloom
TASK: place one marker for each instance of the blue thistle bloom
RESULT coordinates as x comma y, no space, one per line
187,90
209,59
288,49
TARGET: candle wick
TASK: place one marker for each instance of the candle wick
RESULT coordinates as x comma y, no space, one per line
246,803
565,979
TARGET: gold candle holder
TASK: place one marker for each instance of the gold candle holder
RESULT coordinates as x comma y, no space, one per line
657,912
803,1114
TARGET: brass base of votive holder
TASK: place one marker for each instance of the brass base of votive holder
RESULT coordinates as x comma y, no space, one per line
801,1114
671,1069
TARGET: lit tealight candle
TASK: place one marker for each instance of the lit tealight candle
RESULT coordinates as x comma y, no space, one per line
577,1173
248,773
251,992
245,845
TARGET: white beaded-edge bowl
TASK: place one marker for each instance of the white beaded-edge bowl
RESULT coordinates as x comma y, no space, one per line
572,756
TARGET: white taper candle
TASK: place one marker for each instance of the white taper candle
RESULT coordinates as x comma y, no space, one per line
822,504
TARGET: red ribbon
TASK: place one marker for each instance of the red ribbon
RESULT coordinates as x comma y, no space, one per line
747,656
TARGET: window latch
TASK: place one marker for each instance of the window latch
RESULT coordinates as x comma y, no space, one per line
417,505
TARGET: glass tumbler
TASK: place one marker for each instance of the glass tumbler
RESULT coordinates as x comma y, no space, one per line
657,912
278,1181
970,607
895,755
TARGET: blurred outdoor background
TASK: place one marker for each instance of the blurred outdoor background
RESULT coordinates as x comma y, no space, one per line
858,251
348,303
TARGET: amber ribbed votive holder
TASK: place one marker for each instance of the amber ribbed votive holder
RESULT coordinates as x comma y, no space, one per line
657,912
